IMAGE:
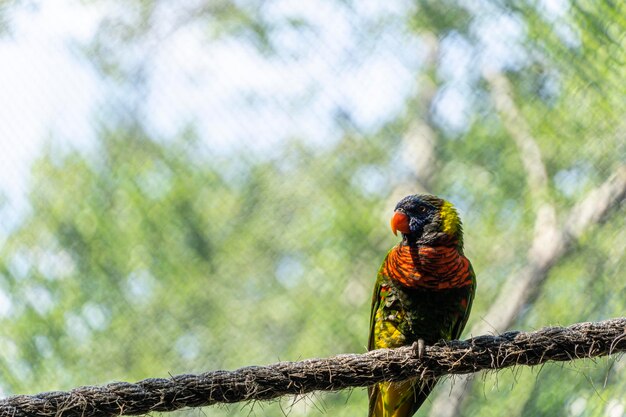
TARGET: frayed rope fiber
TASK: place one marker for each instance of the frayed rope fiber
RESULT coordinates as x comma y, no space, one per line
582,340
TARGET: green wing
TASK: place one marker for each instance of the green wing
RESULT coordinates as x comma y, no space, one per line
457,330
373,391
375,305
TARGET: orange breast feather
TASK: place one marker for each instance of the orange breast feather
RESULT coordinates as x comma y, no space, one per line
438,267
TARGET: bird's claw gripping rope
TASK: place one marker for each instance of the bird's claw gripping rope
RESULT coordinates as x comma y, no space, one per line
419,348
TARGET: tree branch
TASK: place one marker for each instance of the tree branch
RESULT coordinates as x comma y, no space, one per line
524,285
582,340
518,129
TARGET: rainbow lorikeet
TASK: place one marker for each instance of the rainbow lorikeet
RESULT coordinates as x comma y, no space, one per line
423,293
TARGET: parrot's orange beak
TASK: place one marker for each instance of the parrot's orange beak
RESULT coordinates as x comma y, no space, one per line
400,221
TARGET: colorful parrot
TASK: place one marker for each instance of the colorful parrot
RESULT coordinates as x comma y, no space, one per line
423,293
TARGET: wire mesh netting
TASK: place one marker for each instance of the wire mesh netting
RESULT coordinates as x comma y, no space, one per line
207,184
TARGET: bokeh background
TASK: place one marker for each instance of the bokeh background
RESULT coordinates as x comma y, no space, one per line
206,184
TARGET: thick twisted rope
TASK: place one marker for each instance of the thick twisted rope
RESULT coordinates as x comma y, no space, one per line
582,340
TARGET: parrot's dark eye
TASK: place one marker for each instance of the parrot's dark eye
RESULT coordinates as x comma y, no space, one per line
421,209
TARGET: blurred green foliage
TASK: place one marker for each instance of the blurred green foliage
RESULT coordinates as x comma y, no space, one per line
146,256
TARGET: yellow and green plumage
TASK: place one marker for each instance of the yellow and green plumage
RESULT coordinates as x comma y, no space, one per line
424,290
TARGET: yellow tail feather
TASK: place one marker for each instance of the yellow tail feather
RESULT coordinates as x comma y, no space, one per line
398,399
